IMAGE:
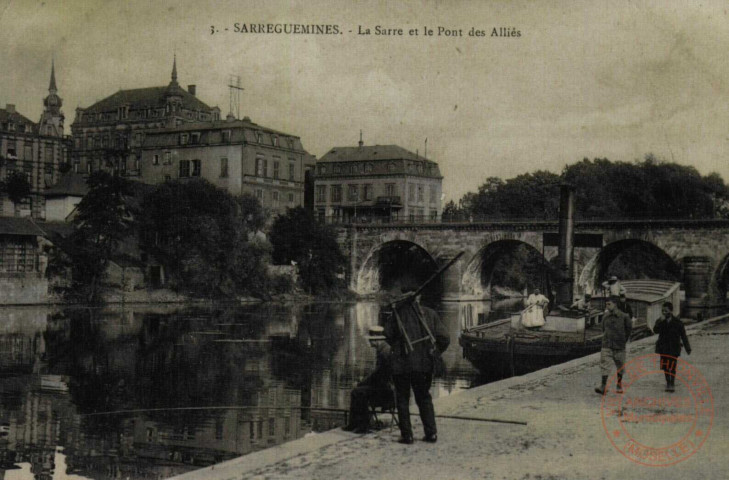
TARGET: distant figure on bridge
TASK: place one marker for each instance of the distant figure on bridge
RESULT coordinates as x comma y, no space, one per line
613,286
533,315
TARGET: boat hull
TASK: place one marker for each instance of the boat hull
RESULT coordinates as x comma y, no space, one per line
501,359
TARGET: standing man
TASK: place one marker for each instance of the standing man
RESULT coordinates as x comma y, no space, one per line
616,327
671,336
624,306
375,388
413,368
613,286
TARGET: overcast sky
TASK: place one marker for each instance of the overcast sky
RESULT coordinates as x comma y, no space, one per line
584,79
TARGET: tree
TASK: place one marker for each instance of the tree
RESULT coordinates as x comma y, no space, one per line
297,236
206,238
103,221
17,186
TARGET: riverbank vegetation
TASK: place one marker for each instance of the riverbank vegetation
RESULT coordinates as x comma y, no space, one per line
208,244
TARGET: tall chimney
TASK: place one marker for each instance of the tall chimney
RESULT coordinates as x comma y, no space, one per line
566,244
191,90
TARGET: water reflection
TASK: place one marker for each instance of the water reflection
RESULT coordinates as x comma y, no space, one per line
154,391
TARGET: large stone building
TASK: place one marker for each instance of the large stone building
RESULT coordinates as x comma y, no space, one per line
380,183
35,149
108,135
236,155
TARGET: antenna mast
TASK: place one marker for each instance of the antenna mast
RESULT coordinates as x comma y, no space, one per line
235,89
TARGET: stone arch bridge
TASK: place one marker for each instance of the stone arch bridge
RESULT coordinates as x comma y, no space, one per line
699,250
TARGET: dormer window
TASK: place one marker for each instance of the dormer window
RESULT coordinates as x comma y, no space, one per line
226,136
259,137
195,138
275,141
391,167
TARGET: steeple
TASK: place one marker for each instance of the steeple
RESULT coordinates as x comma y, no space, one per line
52,87
51,121
174,70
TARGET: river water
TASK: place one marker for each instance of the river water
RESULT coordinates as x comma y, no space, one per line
152,391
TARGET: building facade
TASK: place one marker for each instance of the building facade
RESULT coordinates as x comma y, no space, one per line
108,135
236,155
380,183
35,149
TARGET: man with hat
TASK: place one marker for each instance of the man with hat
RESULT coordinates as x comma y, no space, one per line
624,306
414,360
613,286
373,389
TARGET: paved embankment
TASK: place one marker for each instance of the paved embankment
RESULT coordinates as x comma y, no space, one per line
563,439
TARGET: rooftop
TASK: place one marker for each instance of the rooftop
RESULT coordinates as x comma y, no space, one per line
370,152
19,226
150,97
70,184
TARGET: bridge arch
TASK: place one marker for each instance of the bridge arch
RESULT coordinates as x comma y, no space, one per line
647,259
396,263
530,268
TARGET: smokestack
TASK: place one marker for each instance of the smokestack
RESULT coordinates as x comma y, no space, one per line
566,244
191,90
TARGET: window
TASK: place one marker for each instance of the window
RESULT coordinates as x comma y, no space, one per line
336,193
275,141
226,136
168,178
352,193
259,137
276,164
196,167
183,139
433,194
322,169
368,192
77,142
168,158
271,427
292,171
155,159
105,141
321,193
89,142
195,138
265,167
259,167
76,165
291,198
123,165
184,168
223,167
89,168
390,189
391,167
411,193
274,198
420,193
368,168
259,194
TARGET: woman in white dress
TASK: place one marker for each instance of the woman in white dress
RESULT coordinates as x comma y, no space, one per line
533,314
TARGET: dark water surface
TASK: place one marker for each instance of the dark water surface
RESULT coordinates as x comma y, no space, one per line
153,391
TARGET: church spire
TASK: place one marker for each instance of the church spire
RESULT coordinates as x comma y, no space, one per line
174,69
52,87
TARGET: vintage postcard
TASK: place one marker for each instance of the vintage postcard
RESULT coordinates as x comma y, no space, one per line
366,239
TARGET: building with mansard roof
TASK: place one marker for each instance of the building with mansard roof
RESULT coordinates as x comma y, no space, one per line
34,149
236,155
108,134
378,183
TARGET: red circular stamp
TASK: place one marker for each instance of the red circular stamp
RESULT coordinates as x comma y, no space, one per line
651,426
